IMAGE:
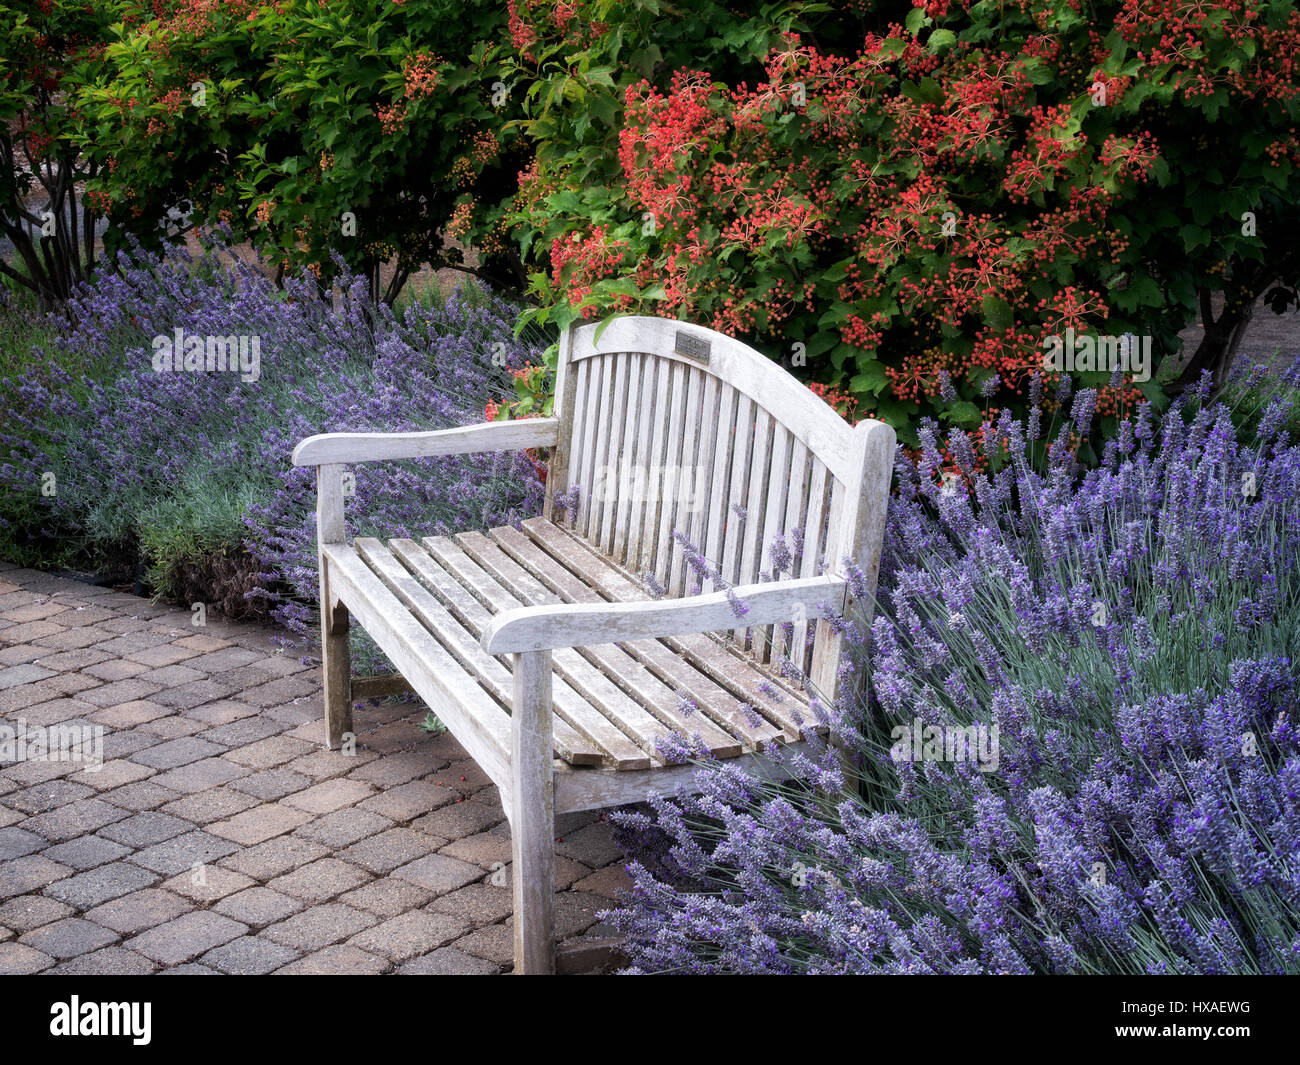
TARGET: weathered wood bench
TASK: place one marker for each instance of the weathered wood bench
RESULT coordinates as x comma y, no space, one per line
542,649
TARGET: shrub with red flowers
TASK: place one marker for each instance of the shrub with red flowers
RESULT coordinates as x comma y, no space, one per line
911,215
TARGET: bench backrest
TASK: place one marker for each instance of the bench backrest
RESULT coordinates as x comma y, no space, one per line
666,426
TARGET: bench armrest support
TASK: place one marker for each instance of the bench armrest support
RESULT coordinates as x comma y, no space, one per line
538,628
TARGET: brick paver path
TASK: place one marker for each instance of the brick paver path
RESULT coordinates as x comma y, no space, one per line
219,835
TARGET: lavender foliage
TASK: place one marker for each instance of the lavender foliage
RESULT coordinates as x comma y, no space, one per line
1132,632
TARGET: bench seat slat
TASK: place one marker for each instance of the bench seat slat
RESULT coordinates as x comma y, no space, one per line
475,718
570,744
787,710
569,705
593,682
711,699
638,686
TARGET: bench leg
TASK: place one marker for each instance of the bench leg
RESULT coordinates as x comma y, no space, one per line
336,658
532,815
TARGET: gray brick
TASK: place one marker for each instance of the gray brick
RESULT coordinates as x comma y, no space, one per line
177,753
90,889
146,829
50,795
249,956
336,960
26,912
386,851
75,819
274,857
439,873
187,937
140,910
199,776
480,904
111,961
86,852
204,807
19,960
271,784
448,961
319,927
410,934
320,880
184,852
68,938
31,873
16,842
344,827
258,906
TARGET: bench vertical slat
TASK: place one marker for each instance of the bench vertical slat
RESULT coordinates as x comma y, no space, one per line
681,493
809,564
795,507
737,487
716,515
702,479
665,547
646,409
631,482
778,488
584,471
752,532
614,484
658,444
603,386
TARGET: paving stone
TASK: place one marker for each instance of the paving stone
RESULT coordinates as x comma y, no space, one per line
199,776
184,852
439,873
95,886
407,801
146,829
330,795
459,819
279,691
140,910
50,709
189,969
259,824
163,654
68,938
171,676
124,743
129,715
387,897
20,653
26,912
303,716
448,961
202,642
272,784
384,852
249,956
320,880
411,934
264,753
178,753
226,659
479,904
75,819
111,961
244,732
574,913
120,691
495,943
187,937
86,852
320,926
323,765
607,882
222,712
196,693
594,845
31,630
335,960
216,804
484,849
113,669
70,683
109,775
275,857
344,827
207,884
15,842
19,960
142,795
49,795
76,659
258,906
174,727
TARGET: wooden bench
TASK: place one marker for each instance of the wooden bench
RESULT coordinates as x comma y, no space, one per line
542,649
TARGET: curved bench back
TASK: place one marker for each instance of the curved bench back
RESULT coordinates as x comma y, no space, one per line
670,427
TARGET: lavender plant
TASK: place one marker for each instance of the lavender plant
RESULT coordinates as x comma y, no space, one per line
1131,633
189,471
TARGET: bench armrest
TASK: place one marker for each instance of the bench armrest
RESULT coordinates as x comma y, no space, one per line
329,448
540,628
